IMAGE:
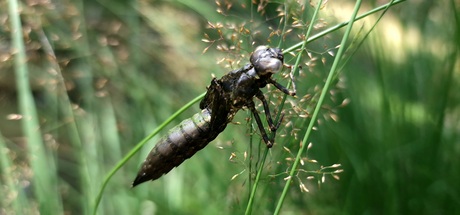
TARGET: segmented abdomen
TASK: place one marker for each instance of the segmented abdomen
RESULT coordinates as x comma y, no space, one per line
182,142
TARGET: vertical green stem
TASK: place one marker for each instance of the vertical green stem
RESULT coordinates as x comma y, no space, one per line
43,166
318,106
299,57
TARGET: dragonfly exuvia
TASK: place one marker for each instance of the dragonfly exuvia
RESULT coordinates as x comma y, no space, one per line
223,99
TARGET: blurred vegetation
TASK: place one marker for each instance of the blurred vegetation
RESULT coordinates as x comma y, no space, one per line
104,74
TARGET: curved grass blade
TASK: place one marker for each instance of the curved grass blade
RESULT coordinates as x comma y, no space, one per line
138,147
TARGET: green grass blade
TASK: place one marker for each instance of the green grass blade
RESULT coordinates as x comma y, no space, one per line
43,165
339,26
138,147
361,42
256,183
318,106
296,66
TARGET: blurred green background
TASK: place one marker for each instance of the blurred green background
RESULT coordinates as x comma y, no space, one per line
104,74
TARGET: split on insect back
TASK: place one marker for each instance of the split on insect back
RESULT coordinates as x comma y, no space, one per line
223,99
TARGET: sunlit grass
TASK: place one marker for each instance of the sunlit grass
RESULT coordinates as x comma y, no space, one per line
105,75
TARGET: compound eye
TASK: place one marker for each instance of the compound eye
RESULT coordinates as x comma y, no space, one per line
267,60
268,65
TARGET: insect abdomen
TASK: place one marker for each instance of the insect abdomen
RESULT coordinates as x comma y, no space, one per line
182,142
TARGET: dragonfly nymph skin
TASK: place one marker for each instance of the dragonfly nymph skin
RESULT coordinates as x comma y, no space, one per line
223,99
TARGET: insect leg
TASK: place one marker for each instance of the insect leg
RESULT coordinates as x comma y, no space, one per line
267,140
261,96
281,87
